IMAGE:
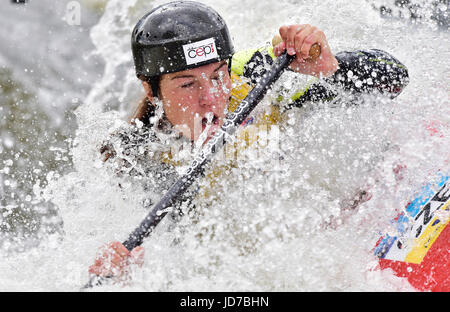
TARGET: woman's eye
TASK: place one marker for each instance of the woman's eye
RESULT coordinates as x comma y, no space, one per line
187,85
219,76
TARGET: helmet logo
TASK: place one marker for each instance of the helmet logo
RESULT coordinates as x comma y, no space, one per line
200,51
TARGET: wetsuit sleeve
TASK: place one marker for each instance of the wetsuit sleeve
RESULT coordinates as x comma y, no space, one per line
370,70
362,71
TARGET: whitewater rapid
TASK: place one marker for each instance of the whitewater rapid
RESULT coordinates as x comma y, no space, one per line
269,230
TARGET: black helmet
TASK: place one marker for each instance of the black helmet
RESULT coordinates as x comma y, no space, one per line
177,36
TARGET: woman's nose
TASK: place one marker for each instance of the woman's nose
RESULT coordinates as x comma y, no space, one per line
208,94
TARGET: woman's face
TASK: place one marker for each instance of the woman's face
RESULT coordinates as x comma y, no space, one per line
195,97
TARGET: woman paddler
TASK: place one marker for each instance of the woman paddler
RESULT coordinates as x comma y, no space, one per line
184,56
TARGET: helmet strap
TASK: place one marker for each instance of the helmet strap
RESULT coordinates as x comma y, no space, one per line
229,65
154,84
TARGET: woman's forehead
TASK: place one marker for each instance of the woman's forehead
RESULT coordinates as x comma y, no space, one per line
197,71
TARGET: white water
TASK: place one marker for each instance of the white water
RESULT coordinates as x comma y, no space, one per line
269,232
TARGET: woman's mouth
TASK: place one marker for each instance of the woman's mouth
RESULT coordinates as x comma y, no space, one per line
207,120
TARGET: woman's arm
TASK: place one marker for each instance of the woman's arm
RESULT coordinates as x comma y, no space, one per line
361,71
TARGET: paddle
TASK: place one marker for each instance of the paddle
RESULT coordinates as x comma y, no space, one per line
232,123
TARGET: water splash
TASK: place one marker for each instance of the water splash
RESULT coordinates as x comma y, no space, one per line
261,230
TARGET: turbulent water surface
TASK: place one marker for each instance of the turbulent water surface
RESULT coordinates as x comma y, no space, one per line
65,88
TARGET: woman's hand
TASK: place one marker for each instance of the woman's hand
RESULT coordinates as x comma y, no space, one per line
113,260
297,40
